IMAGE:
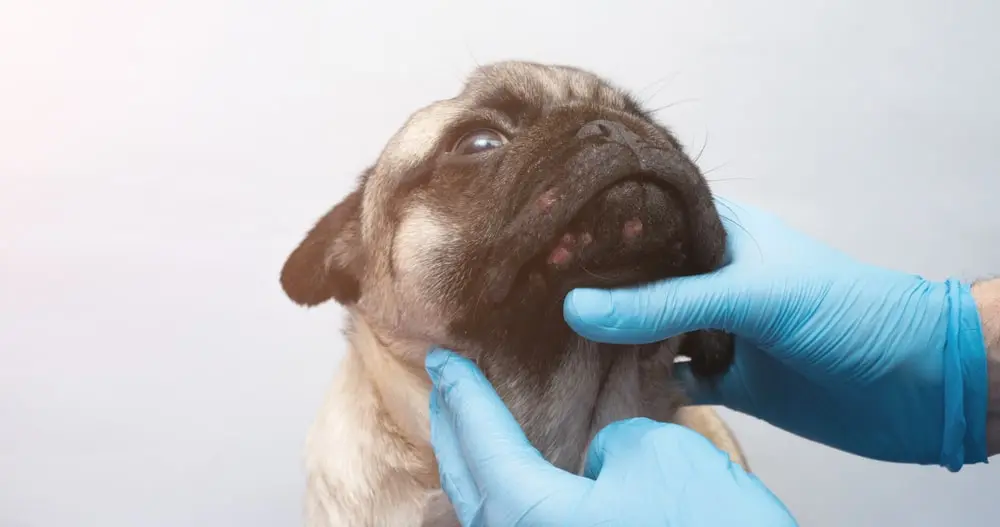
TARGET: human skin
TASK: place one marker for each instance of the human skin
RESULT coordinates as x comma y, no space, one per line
987,296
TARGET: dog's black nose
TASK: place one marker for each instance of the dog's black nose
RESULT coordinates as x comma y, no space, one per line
612,131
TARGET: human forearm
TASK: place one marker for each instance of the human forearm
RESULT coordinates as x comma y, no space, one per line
987,296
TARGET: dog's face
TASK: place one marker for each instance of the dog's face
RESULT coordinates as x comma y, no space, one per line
484,210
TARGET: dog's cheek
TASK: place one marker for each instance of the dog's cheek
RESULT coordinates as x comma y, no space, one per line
426,269
421,245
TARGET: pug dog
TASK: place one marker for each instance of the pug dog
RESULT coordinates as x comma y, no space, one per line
482,212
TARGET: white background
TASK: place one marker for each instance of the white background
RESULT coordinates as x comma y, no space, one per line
159,160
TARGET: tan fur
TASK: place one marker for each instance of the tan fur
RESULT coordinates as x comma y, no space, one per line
368,456
707,422
368,453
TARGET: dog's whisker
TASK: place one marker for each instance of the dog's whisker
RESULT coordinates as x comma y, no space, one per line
713,169
663,82
472,55
480,298
704,144
747,232
724,179
675,103
591,273
732,218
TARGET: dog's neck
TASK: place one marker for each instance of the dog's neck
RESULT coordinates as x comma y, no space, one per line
402,385
369,454
539,399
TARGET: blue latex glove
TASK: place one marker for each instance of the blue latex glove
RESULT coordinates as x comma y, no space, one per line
879,363
638,472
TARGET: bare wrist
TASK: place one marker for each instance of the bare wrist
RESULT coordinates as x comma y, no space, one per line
987,296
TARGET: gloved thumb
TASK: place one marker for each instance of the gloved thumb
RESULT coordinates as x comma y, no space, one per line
483,436
655,311
653,442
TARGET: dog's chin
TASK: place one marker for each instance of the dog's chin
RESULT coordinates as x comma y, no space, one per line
634,232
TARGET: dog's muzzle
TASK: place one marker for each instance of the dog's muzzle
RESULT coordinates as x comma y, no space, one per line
619,203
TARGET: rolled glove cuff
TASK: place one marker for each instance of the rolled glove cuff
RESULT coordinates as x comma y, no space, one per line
965,381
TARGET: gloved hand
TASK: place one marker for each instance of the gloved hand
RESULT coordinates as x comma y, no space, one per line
638,472
879,363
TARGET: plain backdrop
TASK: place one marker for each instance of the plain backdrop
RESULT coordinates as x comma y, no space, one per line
160,159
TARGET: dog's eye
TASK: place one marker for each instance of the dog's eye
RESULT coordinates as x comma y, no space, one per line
479,141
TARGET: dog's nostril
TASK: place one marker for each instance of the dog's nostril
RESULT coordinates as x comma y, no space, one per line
610,130
600,128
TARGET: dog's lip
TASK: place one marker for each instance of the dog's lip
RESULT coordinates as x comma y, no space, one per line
511,262
567,227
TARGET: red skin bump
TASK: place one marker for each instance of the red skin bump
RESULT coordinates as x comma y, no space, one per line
632,228
560,256
547,199
563,252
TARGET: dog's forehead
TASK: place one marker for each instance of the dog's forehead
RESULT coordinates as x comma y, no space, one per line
537,85
540,85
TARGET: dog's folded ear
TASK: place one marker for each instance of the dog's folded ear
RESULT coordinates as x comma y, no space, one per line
327,264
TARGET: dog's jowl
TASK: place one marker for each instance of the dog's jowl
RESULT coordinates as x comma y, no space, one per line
467,232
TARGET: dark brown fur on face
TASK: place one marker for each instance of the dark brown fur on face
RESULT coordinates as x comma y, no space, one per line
581,167
485,210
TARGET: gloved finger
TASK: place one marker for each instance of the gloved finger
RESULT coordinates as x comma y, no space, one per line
667,308
616,441
493,443
656,311
667,453
456,479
